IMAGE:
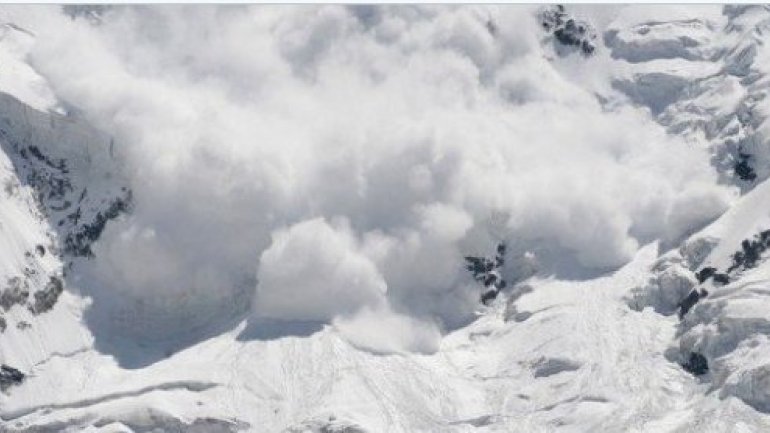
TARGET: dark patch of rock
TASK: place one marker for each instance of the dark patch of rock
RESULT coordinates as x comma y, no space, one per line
485,271
16,292
46,298
705,273
697,364
721,279
568,31
689,301
78,243
743,170
10,376
488,296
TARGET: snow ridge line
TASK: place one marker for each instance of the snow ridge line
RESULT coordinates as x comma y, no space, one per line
189,385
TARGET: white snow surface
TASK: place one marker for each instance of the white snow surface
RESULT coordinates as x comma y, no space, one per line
595,349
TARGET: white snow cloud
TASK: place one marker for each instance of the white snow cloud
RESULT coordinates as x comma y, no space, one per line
314,271
383,331
433,131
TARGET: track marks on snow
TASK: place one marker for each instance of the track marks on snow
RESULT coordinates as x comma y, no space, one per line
184,385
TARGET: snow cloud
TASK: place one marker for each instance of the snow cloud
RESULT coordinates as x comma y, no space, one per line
314,271
339,161
383,331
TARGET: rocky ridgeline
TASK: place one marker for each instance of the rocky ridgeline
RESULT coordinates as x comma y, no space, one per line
77,188
75,182
71,168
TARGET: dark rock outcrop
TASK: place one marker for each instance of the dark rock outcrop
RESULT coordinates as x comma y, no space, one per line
743,170
690,300
704,274
78,242
722,279
485,271
696,364
568,31
46,298
10,376
16,292
751,252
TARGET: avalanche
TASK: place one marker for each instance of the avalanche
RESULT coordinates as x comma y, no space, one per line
200,234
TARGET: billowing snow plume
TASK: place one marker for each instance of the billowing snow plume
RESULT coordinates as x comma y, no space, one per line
343,160
314,272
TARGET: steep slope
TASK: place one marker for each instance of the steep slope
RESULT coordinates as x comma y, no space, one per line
705,78
47,217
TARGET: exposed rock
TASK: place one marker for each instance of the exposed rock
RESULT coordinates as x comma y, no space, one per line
696,364
743,170
568,31
705,273
488,296
78,242
751,252
690,300
59,158
10,376
46,298
721,279
16,292
485,271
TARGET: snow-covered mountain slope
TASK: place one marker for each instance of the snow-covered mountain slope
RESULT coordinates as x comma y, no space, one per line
704,76
38,318
674,340
48,162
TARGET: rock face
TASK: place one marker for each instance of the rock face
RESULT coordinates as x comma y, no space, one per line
689,301
62,173
567,31
751,252
45,299
705,273
696,364
10,376
72,169
486,271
